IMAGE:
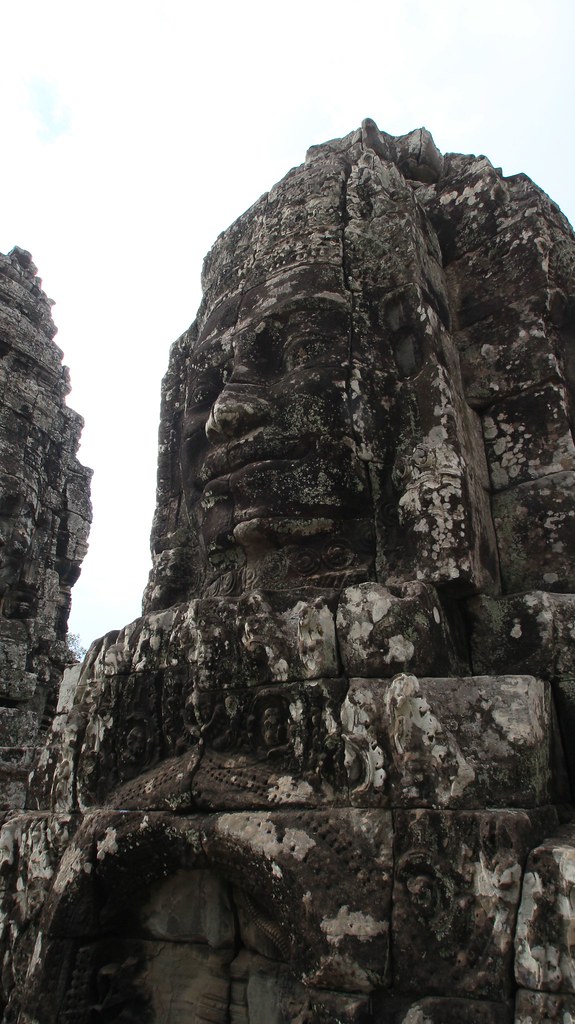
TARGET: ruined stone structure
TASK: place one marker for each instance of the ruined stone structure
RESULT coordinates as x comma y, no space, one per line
44,519
326,775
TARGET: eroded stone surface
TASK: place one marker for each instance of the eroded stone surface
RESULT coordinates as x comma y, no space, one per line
456,895
457,742
535,524
449,1010
529,632
274,862
383,631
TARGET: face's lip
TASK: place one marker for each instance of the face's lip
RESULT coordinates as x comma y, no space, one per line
255,450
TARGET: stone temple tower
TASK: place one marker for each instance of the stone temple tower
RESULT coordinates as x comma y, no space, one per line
327,775
44,519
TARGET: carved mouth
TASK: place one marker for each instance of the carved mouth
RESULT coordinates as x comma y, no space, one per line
224,462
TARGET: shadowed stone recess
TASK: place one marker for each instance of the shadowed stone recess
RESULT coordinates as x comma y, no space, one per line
326,776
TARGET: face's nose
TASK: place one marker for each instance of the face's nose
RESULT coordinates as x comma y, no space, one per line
235,412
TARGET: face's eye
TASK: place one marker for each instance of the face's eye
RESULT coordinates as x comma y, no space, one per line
303,351
205,386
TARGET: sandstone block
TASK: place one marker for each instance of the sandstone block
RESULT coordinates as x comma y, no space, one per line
274,745
385,630
517,632
535,524
324,877
528,437
446,743
510,350
438,1010
456,892
18,727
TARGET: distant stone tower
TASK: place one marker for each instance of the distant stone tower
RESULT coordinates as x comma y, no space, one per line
45,516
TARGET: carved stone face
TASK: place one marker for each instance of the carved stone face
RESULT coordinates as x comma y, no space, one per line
271,476
325,437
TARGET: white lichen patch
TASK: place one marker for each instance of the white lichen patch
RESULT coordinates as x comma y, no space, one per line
107,845
316,643
260,834
351,922
496,886
536,963
10,836
400,649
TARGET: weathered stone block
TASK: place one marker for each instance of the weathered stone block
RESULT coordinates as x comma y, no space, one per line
418,156
457,888
511,350
121,737
385,630
31,847
531,633
546,920
264,989
456,742
520,260
15,765
433,521
564,692
190,906
535,524
18,727
324,877
273,745
16,683
528,436
262,638
515,633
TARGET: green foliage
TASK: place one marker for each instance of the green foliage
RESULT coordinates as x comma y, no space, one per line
76,652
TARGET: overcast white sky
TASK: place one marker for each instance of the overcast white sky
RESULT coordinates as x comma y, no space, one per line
134,132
